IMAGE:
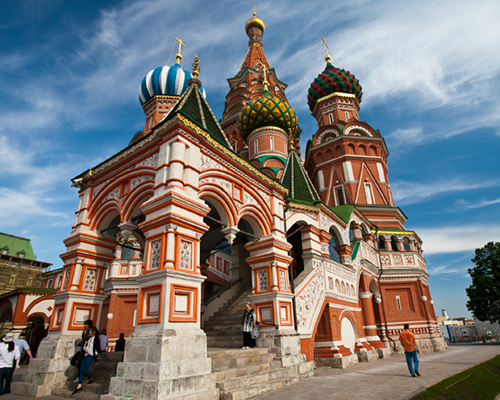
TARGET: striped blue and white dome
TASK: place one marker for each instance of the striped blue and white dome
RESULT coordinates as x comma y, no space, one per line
169,81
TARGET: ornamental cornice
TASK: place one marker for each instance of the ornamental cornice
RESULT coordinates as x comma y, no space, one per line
335,94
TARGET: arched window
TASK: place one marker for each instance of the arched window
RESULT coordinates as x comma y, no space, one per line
340,197
271,143
334,247
406,244
394,243
381,243
346,116
337,286
330,118
256,146
342,288
352,235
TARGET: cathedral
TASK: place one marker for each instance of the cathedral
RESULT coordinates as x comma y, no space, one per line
200,213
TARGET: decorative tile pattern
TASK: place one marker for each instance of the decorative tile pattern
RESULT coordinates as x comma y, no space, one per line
283,280
330,283
308,297
263,279
90,279
155,253
409,260
386,260
397,259
185,259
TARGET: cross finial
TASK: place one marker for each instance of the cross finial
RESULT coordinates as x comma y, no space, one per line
196,66
254,10
264,70
327,56
178,56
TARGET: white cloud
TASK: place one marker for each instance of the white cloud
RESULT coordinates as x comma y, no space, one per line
466,205
457,239
410,192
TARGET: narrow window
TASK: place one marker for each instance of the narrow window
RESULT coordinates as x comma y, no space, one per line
271,143
381,243
369,194
256,147
346,116
394,243
406,244
398,301
340,197
330,118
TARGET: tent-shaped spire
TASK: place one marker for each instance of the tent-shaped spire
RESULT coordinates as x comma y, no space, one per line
194,106
298,182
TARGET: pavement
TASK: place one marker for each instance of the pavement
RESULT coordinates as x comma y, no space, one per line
386,379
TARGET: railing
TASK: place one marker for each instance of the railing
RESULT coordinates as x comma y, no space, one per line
217,293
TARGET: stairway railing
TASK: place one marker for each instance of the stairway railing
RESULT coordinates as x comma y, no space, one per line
220,291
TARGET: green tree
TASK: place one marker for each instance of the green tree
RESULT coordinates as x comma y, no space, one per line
484,293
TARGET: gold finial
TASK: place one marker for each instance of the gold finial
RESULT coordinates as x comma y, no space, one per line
327,57
196,66
291,140
254,10
178,56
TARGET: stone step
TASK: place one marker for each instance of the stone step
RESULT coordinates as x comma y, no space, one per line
237,362
257,389
249,380
83,395
233,343
215,352
232,373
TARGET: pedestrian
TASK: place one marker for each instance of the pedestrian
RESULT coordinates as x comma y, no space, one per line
104,340
91,348
77,359
247,324
120,343
24,347
407,339
9,353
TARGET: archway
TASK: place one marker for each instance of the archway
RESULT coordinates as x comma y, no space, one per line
294,237
348,334
36,330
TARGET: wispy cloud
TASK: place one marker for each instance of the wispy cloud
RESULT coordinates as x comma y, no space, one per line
411,192
466,205
457,239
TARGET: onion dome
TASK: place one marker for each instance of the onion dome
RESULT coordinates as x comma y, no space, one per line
333,80
255,22
264,112
168,81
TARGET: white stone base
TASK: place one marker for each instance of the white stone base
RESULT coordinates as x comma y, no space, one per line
338,361
365,355
50,369
169,364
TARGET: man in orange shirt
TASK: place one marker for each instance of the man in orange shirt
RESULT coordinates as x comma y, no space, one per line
409,343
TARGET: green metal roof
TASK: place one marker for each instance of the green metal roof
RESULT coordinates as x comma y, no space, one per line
344,212
298,182
16,244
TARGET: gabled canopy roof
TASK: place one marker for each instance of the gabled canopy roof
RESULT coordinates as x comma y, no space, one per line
298,182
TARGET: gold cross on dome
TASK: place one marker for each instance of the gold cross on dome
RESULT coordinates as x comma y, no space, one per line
327,57
254,10
178,56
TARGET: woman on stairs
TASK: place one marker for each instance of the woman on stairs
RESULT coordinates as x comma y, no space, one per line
91,348
247,324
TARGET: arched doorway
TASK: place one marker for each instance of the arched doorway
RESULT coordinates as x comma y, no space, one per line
36,330
348,334
294,237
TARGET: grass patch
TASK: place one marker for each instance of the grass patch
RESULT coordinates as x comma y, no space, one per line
481,382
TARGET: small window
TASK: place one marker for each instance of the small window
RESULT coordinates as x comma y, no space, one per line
398,301
394,243
255,147
346,116
381,243
406,244
340,197
271,143
330,118
369,194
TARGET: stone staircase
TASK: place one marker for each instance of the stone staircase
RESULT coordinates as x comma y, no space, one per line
244,373
101,373
223,329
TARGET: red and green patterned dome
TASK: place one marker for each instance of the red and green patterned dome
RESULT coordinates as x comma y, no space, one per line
333,80
266,111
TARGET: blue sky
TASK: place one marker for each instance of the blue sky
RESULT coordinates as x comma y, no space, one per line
430,71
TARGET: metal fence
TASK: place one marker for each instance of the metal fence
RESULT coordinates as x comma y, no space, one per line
479,332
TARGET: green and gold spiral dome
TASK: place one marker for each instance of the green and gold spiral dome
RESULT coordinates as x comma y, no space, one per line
266,111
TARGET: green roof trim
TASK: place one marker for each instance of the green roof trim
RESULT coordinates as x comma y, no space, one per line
355,250
298,182
264,158
15,245
344,212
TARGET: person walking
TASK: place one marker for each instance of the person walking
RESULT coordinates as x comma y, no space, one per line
91,348
9,353
120,343
24,347
103,338
247,324
407,339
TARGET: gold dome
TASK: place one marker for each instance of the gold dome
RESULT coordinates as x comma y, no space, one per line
255,22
